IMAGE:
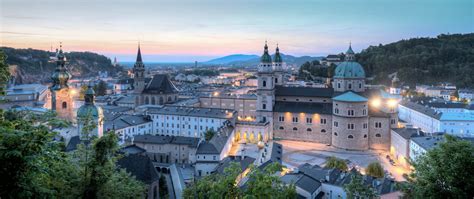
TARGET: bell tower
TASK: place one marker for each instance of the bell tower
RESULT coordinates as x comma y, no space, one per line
278,67
265,88
139,73
61,95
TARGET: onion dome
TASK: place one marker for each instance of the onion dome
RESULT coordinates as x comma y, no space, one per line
266,58
349,68
89,109
60,75
277,58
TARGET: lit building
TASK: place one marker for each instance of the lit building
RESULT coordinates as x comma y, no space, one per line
90,114
61,95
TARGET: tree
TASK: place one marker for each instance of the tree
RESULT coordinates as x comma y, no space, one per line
374,169
336,163
209,134
82,92
261,184
443,172
358,189
101,88
4,73
163,187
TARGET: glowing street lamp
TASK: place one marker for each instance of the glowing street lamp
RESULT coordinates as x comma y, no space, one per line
392,103
375,102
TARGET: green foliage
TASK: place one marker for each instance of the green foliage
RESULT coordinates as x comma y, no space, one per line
261,184
336,163
209,134
443,172
35,166
357,189
314,69
163,187
374,169
446,58
82,91
4,73
101,88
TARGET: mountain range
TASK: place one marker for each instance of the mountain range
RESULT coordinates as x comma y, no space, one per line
252,60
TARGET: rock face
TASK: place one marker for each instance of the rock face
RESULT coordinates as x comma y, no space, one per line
36,66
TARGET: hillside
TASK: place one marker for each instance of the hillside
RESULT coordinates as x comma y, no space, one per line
30,65
446,58
253,60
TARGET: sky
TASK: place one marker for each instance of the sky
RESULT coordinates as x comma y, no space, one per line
185,31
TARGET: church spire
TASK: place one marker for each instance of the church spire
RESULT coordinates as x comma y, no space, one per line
266,58
350,55
60,75
139,54
278,58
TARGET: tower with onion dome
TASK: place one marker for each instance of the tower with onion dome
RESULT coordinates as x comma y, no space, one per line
61,95
278,65
265,87
90,115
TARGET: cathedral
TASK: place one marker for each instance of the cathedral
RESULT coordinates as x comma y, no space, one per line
61,95
345,114
157,90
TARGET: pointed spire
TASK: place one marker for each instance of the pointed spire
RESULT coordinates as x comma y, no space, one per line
266,58
139,54
277,58
350,55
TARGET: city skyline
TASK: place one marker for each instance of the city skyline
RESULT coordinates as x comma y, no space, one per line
184,32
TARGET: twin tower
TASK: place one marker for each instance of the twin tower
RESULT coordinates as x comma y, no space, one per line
270,74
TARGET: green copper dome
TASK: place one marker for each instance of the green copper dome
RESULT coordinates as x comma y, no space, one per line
266,58
349,69
89,109
277,58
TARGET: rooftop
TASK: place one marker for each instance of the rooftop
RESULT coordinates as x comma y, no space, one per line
428,142
193,111
161,139
457,116
303,107
350,97
422,109
303,91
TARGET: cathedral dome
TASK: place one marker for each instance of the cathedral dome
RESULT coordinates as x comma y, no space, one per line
266,58
349,68
278,58
89,109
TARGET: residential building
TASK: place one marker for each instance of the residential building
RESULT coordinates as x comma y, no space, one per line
168,149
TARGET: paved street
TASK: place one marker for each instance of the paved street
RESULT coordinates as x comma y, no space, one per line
296,153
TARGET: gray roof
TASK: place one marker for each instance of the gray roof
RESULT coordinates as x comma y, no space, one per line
139,166
304,91
213,146
406,133
308,184
303,107
428,142
118,121
193,111
132,149
244,163
115,109
72,144
162,139
422,109
160,84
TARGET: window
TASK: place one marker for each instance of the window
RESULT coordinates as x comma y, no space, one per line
276,80
309,120
378,135
323,131
309,129
335,133
364,112
365,136
281,118
350,86
323,121
350,126
295,119
338,85
281,128
295,129
264,106
350,137
378,125
365,125
64,105
392,121
336,111
360,85
264,83
350,112
336,124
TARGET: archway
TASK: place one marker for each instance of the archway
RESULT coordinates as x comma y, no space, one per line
252,138
259,136
153,100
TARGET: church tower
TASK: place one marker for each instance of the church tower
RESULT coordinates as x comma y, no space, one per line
90,114
61,96
278,68
139,73
265,88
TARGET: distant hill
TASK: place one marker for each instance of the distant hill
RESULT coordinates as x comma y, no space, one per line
231,58
253,60
446,58
32,66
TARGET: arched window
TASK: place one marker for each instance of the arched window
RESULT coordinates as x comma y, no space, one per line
378,135
360,85
350,86
338,85
295,129
276,80
264,83
169,99
281,128
147,100
350,137
309,129
161,100
64,105
365,136
153,101
323,131
335,133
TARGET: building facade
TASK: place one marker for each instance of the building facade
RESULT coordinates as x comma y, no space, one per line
61,95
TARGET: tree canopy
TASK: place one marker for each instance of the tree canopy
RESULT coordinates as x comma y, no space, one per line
375,170
357,189
336,163
443,172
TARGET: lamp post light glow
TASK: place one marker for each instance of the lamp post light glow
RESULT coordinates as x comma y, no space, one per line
375,102
392,103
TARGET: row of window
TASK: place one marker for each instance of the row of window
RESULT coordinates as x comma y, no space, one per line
184,126
349,85
350,125
308,129
365,135
350,112
295,120
178,118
